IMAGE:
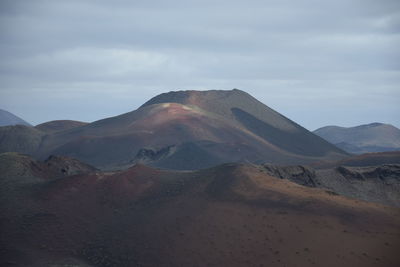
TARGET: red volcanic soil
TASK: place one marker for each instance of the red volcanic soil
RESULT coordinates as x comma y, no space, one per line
230,215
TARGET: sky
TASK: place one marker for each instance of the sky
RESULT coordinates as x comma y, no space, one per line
333,62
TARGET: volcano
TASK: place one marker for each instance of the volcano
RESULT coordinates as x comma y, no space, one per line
188,130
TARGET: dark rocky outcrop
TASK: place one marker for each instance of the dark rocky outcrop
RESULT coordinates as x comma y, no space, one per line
60,166
299,174
386,173
349,174
380,184
147,155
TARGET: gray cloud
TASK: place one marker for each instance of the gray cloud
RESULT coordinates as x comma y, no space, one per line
318,62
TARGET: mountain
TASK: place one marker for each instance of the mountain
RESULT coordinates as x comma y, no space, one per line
7,118
374,137
190,130
59,125
228,215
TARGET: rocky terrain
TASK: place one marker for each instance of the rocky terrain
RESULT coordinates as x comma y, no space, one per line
374,137
380,184
228,215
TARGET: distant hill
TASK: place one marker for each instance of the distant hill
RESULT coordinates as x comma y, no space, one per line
374,137
59,125
7,118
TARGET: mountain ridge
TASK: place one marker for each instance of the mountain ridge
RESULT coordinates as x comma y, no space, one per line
373,137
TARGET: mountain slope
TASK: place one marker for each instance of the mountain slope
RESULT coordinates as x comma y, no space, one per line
20,138
374,137
7,118
245,111
204,128
229,215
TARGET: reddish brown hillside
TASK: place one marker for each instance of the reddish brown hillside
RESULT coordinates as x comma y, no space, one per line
230,215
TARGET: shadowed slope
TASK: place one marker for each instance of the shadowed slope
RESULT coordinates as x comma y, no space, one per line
300,142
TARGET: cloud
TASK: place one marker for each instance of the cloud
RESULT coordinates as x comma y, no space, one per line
296,56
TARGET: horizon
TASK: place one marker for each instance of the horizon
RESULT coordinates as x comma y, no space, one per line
318,64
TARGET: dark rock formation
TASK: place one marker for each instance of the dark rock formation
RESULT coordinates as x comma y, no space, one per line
388,173
299,174
60,166
349,174
380,184
146,155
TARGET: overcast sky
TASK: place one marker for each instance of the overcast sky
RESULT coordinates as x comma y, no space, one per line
333,62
